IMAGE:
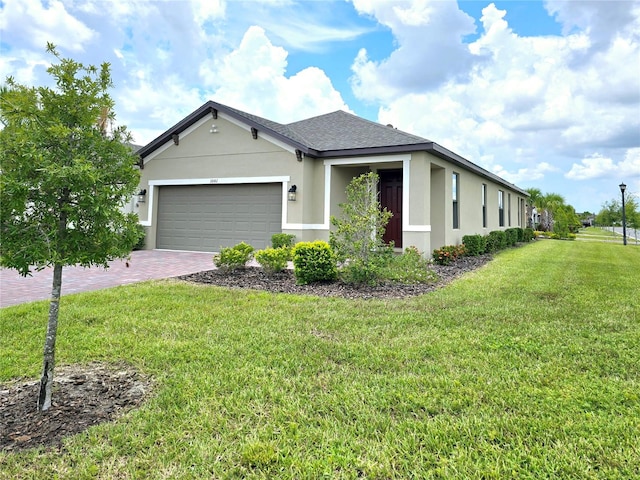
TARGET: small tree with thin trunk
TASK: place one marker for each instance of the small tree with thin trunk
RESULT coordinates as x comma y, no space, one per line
357,237
65,174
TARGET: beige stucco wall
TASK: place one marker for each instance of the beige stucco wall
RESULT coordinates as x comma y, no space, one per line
470,204
232,156
229,156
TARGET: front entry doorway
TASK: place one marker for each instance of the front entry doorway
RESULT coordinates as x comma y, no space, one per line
391,199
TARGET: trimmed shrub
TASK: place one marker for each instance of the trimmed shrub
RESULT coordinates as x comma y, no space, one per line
273,260
474,245
520,234
410,267
448,254
528,234
233,258
496,240
283,240
279,240
141,237
314,262
511,236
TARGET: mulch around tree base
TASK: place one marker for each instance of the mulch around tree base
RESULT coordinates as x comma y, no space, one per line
83,395
87,395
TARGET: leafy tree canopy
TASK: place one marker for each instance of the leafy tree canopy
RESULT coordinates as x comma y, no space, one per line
65,171
611,212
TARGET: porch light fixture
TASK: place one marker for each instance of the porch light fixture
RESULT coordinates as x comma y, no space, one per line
292,193
213,129
623,187
142,195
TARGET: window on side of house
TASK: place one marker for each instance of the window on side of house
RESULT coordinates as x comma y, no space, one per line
456,204
484,205
509,208
520,210
501,208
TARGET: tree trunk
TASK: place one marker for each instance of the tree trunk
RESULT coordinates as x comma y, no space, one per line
46,381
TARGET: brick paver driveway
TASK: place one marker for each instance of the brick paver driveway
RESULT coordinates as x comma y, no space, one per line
143,265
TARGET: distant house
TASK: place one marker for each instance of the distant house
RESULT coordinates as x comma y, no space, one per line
588,221
221,176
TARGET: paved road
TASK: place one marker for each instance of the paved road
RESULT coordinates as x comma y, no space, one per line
632,235
143,265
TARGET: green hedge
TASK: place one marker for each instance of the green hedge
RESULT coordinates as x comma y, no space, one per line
512,236
474,244
528,234
496,240
314,262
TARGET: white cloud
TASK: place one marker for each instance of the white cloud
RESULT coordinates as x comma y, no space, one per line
602,21
524,174
160,106
22,65
593,166
630,166
208,10
252,78
299,26
429,52
37,24
599,166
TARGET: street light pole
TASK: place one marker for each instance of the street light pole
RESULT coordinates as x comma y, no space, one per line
623,187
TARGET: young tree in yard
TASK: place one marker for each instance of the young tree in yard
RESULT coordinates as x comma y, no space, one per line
64,176
610,214
357,239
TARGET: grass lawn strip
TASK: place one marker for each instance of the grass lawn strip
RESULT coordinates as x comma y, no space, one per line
527,368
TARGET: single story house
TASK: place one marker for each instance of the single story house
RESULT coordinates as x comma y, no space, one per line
221,176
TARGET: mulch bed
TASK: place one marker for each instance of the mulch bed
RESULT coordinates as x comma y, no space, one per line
284,282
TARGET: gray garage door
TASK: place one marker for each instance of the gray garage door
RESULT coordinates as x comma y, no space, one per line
207,217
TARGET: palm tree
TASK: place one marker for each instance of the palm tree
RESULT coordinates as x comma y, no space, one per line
535,202
553,203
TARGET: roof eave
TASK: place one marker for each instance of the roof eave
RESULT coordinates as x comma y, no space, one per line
430,147
359,152
208,109
445,154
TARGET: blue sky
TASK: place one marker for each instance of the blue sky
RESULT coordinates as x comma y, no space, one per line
545,94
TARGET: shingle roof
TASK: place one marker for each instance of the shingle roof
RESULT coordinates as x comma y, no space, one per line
331,135
343,131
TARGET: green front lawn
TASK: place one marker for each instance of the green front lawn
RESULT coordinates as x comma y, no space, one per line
597,234
526,368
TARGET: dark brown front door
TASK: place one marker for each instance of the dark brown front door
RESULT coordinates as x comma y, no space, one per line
391,198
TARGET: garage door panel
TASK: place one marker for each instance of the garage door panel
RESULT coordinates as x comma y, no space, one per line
208,217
